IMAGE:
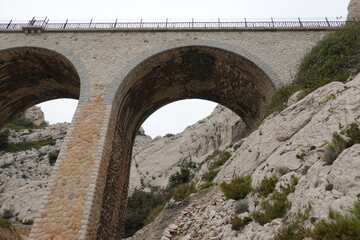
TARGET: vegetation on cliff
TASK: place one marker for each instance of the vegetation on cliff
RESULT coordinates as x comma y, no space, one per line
335,58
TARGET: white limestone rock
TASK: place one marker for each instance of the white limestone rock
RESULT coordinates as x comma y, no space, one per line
354,10
163,155
35,114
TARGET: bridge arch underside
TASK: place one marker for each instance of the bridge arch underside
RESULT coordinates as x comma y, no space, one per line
31,75
181,73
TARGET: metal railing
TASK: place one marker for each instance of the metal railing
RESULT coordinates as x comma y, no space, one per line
45,24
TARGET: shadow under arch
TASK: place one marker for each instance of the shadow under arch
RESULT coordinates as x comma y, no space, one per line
31,75
186,72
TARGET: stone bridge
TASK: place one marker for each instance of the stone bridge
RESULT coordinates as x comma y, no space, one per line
121,76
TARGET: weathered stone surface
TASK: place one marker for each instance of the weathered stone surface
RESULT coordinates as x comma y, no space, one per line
35,114
164,155
354,10
24,179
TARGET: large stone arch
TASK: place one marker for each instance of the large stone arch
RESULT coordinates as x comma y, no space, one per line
30,75
191,71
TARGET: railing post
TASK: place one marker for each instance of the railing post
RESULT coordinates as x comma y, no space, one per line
300,22
115,23
272,21
327,21
32,21
219,22
245,22
9,24
192,20
166,23
141,23
90,23
65,23
46,21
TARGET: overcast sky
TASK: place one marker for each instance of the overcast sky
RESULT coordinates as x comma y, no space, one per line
174,117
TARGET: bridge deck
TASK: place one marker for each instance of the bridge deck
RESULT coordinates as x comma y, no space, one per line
44,25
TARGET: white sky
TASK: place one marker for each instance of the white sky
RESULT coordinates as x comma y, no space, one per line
174,117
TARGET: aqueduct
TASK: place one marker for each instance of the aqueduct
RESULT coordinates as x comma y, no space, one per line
121,76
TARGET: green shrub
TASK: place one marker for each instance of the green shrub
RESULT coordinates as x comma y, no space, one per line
222,157
329,187
339,143
21,122
8,213
183,191
238,223
210,175
23,146
181,177
352,132
333,149
219,158
282,171
237,145
6,165
153,214
187,164
334,58
305,170
339,226
53,157
280,97
214,154
277,206
5,223
139,205
241,206
28,222
4,139
238,188
296,229
206,185
171,205
267,186
168,135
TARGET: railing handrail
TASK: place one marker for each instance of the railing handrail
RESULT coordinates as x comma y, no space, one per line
45,24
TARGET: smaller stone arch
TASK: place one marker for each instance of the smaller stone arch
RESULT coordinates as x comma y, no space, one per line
30,75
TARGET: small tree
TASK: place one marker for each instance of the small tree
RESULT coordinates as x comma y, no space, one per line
4,142
238,188
180,177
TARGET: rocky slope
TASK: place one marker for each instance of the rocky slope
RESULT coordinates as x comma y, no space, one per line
292,143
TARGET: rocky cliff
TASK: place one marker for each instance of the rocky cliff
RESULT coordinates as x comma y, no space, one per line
290,147
164,156
354,10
